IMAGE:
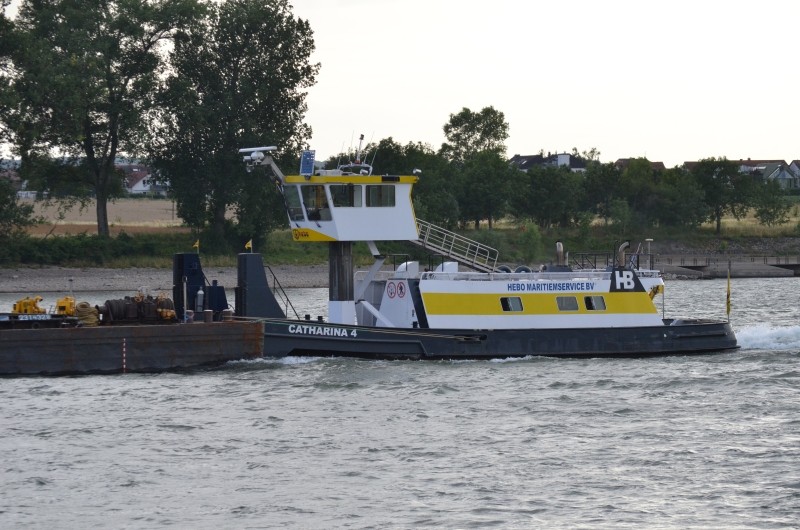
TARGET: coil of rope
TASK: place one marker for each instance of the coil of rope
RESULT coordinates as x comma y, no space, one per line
87,314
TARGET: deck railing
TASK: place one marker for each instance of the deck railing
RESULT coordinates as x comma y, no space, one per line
470,253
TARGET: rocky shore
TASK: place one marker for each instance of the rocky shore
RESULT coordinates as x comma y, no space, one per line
672,259
57,279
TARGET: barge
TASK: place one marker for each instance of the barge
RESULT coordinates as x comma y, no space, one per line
135,334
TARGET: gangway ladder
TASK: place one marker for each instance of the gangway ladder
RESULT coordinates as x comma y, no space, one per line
465,251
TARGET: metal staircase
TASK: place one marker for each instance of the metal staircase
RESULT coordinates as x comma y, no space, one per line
465,251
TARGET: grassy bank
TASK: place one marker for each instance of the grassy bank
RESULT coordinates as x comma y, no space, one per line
146,233
517,244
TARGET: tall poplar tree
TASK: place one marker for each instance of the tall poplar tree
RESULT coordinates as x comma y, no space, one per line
81,75
238,80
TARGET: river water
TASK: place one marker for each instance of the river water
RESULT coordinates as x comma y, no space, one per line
711,441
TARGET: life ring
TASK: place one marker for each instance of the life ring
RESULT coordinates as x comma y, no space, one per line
503,268
523,268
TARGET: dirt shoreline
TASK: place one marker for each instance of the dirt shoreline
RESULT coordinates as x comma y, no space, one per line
36,280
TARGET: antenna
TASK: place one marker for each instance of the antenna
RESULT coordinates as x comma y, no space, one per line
358,153
339,159
261,156
254,156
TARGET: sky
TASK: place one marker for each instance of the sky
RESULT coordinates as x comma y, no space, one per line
671,81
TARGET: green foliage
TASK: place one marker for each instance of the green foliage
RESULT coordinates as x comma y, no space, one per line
471,132
239,78
94,251
389,158
550,196
530,242
194,81
259,209
601,186
484,186
724,188
621,216
439,207
584,227
13,215
281,248
637,184
434,195
679,200
772,208
64,182
83,75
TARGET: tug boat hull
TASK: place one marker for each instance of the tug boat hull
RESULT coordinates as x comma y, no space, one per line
306,338
601,306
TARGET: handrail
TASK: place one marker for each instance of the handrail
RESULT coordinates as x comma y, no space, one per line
466,251
280,293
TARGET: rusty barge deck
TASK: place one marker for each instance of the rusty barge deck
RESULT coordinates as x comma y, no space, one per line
127,348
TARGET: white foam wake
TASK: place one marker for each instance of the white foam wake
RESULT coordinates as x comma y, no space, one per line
766,337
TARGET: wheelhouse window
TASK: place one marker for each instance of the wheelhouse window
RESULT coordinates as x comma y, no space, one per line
316,203
595,303
511,303
380,196
293,203
346,195
567,303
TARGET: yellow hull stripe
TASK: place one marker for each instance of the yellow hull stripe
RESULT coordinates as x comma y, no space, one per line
534,304
303,235
349,179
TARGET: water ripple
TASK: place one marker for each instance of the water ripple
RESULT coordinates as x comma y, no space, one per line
678,442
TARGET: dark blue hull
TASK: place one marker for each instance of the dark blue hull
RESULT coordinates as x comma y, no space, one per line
307,338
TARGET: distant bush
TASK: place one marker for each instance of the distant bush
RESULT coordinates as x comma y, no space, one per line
94,251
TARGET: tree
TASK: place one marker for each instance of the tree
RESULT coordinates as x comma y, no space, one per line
724,189
679,200
772,208
82,74
475,151
601,183
238,81
434,200
638,184
592,155
621,216
434,197
551,196
13,215
470,132
6,47
484,187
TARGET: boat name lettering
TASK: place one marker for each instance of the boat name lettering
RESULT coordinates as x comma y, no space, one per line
551,286
303,329
33,317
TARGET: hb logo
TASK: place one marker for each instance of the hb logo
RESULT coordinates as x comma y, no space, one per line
624,280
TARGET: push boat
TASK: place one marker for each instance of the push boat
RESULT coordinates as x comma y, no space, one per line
466,307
